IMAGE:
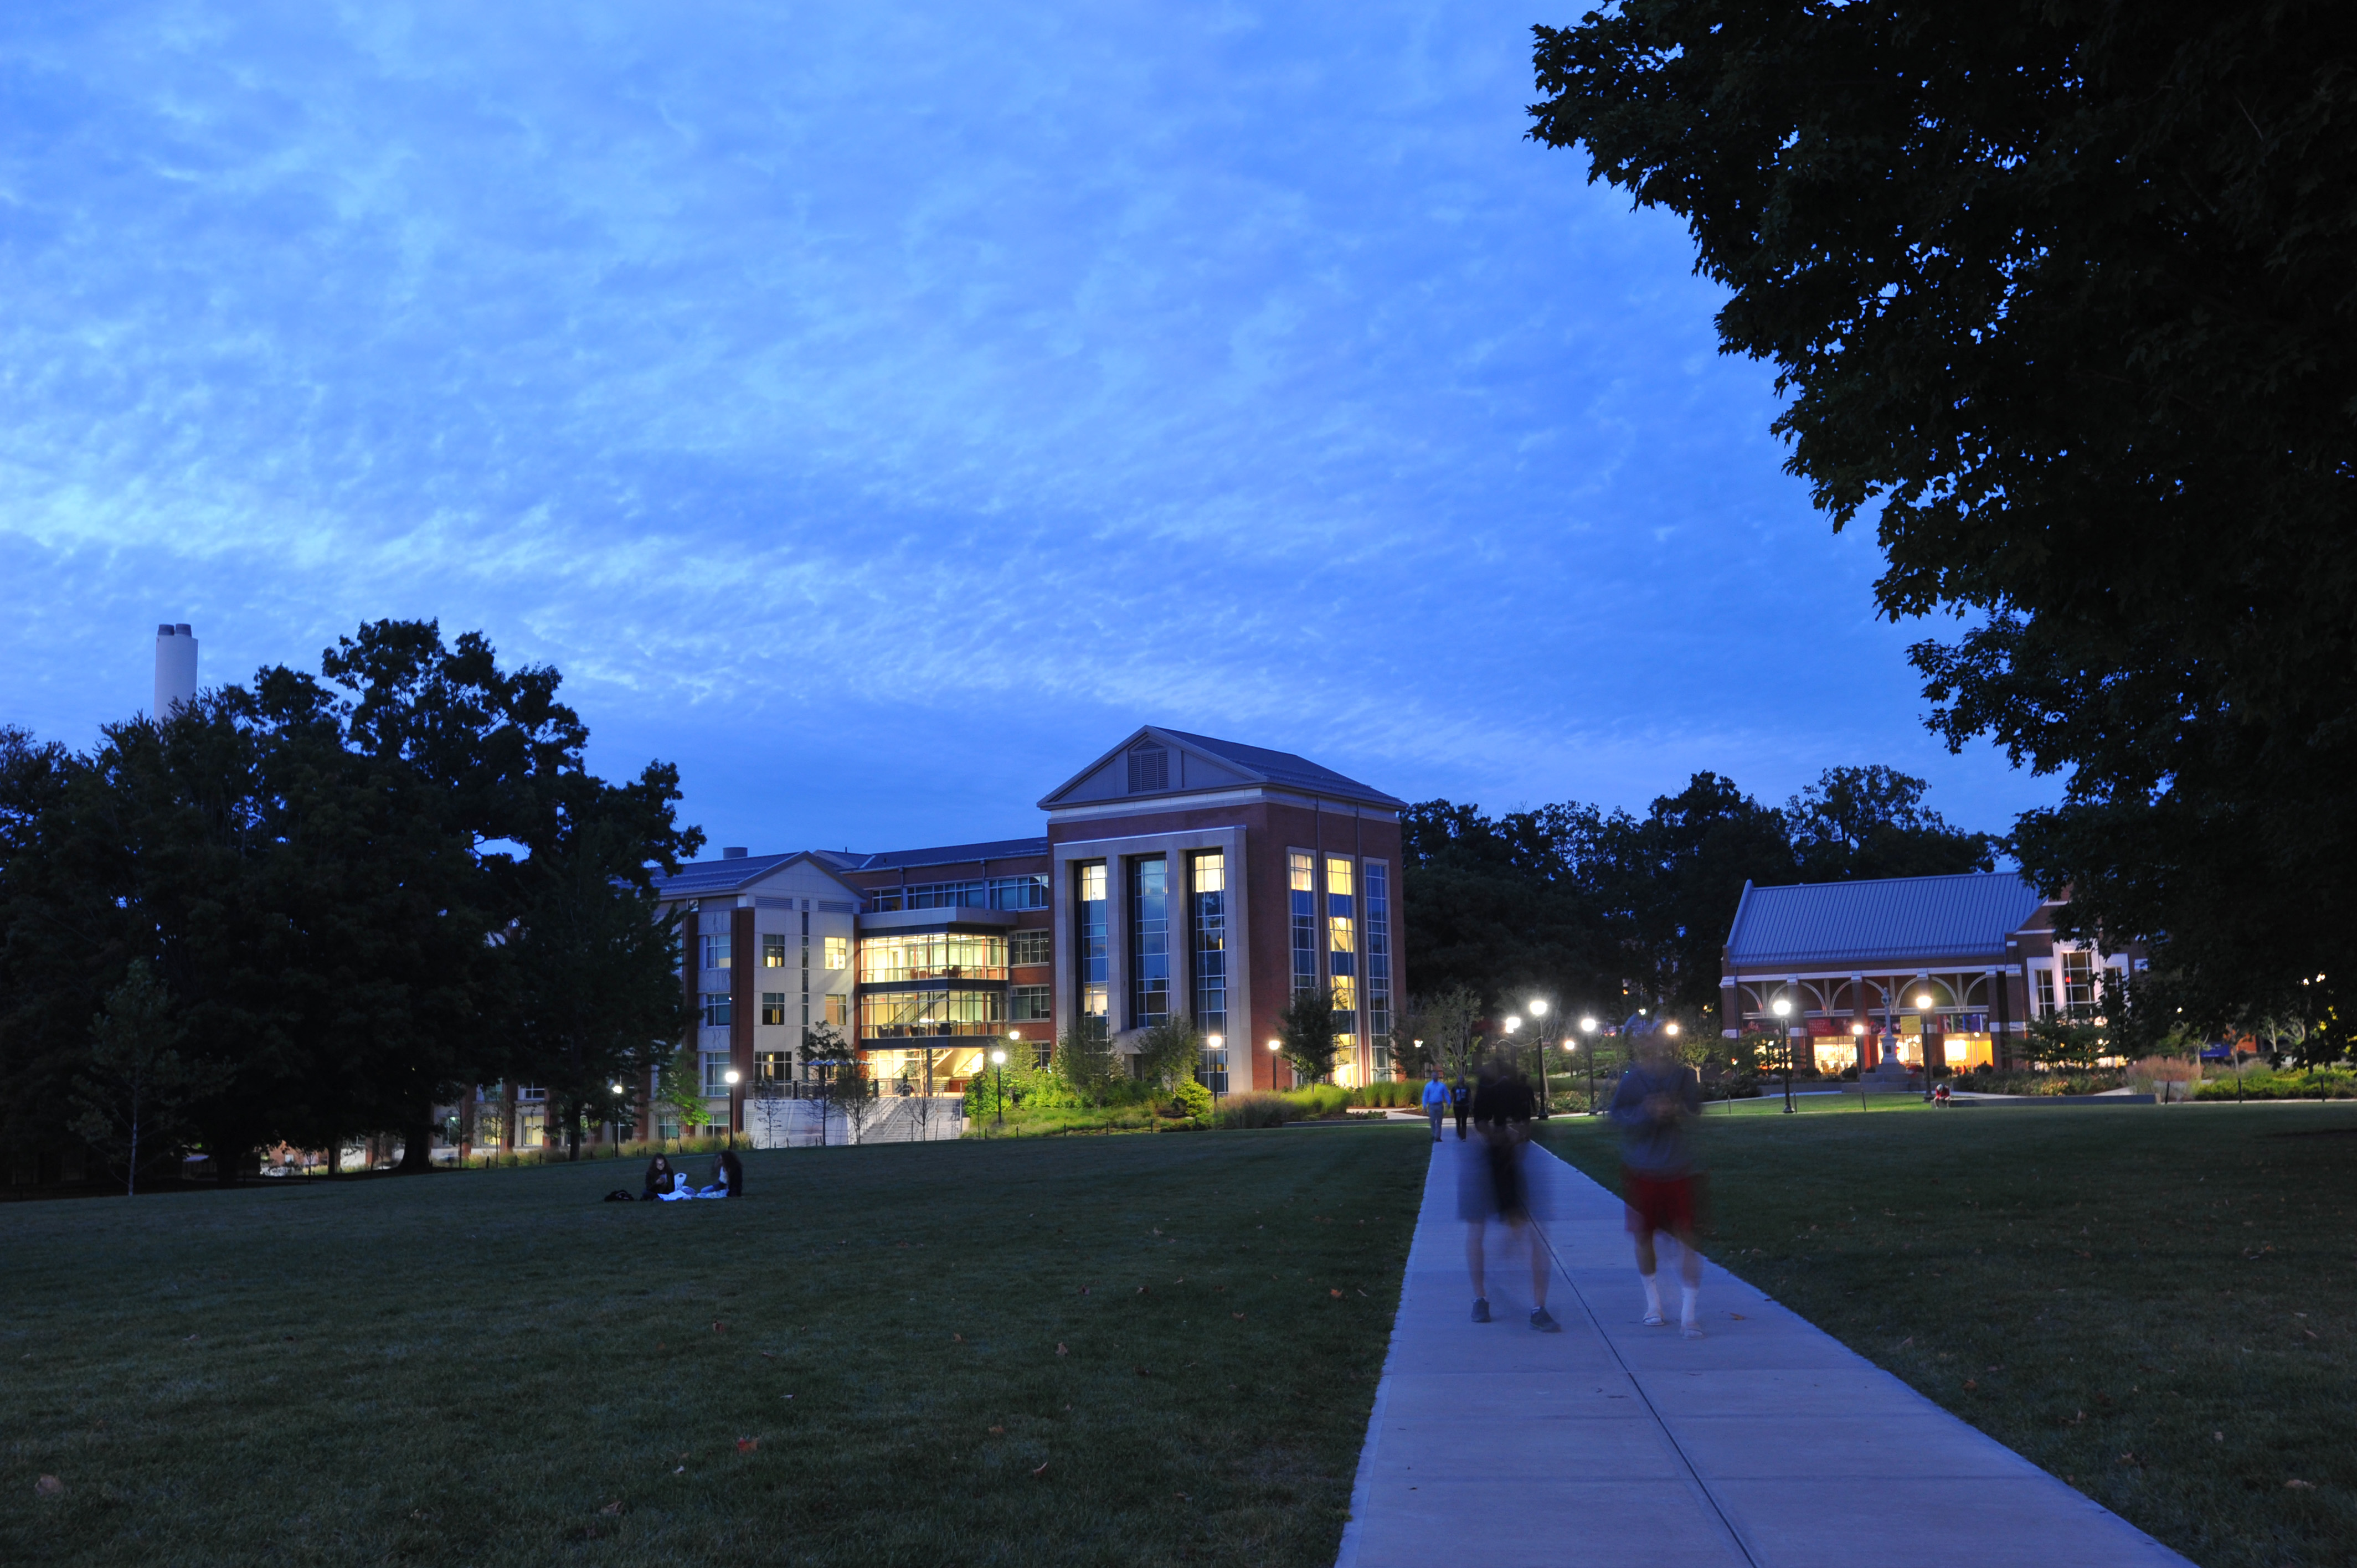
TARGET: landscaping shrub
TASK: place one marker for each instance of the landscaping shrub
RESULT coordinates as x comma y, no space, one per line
1990,1081
2312,1083
1195,1100
1387,1094
1257,1110
1317,1100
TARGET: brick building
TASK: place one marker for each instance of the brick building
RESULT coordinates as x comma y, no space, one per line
1179,875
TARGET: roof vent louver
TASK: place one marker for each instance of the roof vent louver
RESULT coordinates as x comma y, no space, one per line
735,852
1150,769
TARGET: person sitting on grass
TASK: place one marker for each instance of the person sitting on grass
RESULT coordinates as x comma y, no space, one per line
660,1179
728,1177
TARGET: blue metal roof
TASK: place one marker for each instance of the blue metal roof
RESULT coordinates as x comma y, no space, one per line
1896,919
1284,768
950,854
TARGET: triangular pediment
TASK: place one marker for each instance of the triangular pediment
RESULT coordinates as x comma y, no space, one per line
1152,761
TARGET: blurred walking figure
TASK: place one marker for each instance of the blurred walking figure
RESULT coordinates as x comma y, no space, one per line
1435,1098
1656,1096
1491,1185
1461,1098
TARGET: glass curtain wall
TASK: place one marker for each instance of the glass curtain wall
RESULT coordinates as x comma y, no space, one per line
1208,877
1149,941
1091,960
1378,966
1342,958
931,955
911,1014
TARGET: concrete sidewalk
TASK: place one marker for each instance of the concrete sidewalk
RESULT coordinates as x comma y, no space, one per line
1764,1443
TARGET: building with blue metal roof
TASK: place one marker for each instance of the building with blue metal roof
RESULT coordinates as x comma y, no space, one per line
1947,970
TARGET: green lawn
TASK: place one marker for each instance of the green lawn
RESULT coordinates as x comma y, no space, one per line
2156,1303
1112,1350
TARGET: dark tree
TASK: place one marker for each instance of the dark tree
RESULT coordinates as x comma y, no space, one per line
2061,293
1871,822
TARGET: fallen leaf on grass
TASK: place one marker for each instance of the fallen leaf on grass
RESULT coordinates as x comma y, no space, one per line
746,1445
1182,1497
2217,1437
957,1339
1142,1289
768,1355
1237,1316
50,1486
615,1507
1041,1470
1060,1349
718,1328
681,1471
998,1432
2297,1485
1970,1384
1085,1290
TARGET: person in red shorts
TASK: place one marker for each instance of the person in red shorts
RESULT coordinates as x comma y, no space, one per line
1656,1097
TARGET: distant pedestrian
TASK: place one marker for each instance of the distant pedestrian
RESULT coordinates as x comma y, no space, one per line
1461,1098
1493,1184
1435,1098
1656,1097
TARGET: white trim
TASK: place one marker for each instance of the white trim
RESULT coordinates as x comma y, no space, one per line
1151,805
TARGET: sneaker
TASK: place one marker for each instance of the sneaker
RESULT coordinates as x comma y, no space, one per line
1654,1320
1481,1309
1544,1323
1691,1330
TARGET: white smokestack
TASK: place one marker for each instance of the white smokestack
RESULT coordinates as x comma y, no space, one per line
176,668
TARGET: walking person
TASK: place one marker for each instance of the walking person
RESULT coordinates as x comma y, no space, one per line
1657,1097
1492,1184
1435,1098
1461,1098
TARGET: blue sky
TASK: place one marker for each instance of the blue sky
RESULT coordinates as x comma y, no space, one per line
879,409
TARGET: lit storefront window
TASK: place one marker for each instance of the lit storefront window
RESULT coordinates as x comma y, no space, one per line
1302,890
1208,877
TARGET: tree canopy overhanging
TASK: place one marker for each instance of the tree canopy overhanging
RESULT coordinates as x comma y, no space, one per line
2063,295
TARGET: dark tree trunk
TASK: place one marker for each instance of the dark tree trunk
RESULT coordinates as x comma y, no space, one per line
417,1145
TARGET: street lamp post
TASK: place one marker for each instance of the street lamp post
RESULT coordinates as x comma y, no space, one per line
1588,1028
1538,1021
1783,1008
998,1061
1857,1038
615,1121
735,1105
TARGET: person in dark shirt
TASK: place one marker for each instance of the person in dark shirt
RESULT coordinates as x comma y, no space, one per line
1492,1183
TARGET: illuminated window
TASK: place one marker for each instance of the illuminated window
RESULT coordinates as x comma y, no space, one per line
1024,949
2079,982
1302,890
1378,966
716,949
773,1007
718,1009
932,955
1207,921
1091,960
915,1015
1149,941
838,1009
715,1070
838,952
772,1067
774,950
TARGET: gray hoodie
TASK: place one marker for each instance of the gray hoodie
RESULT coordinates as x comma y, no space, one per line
1650,1147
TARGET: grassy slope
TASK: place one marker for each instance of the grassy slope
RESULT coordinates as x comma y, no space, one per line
467,1369
2156,1303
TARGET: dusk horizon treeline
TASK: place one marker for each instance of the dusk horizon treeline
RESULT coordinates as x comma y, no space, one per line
315,906
1613,911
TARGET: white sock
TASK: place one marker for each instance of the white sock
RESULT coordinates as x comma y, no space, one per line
1691,1295
1652,1296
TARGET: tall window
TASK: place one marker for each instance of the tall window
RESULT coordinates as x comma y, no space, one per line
718,1009
716,1073
1149,941
1378,964
773,951
2079,982
1342,954
838,1008
838,952
772,1067
1209,917
1302,878
716,949
1090,932
806,969
773,1007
